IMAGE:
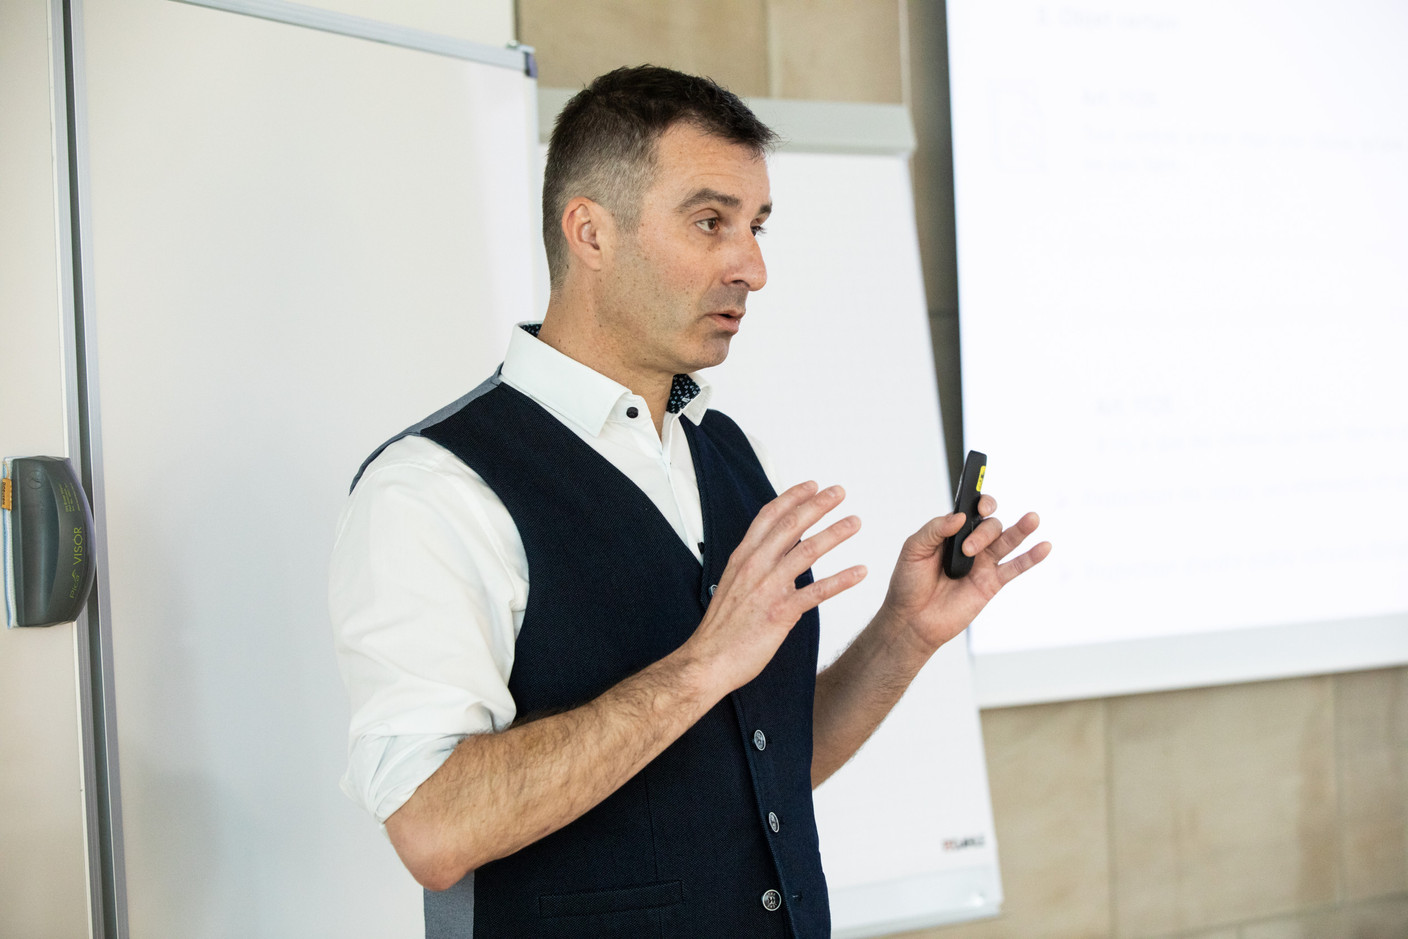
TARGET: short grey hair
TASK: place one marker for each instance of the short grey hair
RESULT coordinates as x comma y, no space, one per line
603,144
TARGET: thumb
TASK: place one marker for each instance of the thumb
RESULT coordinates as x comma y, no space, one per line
925,542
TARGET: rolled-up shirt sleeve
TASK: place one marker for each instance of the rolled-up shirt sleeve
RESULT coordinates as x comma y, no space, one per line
427,588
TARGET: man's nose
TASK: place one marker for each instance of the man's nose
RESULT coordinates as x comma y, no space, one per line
749,267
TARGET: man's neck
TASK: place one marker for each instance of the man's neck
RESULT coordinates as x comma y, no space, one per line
561,332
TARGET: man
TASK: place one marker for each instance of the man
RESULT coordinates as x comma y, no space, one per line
628,747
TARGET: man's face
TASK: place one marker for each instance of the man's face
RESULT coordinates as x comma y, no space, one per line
677,286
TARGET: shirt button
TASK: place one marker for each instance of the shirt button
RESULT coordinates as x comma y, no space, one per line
773,823
760,740
633,412
772,900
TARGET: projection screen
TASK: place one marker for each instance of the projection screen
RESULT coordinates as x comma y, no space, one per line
1182,232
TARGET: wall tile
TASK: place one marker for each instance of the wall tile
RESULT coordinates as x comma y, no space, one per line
836,50
575,42
1381,919
1046,768
1223,804
1371,731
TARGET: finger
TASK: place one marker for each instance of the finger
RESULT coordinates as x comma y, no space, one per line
769,514
791,497
1006,573
987,505
806,553
1015,535
819,591
788,528
982,536
925,542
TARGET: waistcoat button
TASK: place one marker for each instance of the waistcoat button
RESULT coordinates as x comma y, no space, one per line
773,823
760,740
772,900
712,588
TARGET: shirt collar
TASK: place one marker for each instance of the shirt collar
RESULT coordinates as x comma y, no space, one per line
579,393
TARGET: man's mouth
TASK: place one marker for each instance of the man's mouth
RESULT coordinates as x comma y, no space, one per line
728,319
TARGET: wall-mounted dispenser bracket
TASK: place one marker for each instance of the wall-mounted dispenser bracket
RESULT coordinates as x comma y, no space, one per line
47,545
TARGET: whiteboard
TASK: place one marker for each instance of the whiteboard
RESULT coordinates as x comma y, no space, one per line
286,273
301,242
833,372
1183,304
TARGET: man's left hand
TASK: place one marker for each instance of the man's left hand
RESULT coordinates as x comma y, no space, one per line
934,607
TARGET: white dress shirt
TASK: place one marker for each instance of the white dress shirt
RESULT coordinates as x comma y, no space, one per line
429,579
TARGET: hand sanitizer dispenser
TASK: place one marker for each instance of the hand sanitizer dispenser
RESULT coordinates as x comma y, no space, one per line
48,554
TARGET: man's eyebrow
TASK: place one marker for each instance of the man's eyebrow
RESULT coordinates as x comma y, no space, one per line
707,196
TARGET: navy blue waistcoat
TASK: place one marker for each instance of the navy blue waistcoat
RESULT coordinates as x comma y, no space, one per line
695,842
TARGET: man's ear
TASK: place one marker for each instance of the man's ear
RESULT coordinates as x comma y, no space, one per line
588,228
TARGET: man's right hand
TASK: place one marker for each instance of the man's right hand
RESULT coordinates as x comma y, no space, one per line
499,792
757,601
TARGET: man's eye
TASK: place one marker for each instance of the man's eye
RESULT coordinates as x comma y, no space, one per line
759,230
708,224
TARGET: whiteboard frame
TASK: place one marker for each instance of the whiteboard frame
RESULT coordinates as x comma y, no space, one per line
1166,663
969,893
813,126
97,697
345,24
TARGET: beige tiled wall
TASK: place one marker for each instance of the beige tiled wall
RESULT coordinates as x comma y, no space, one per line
830,50
1266,811
1222,804
575,42
1049,778
835,50
1273,810
1371,742
1383,919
